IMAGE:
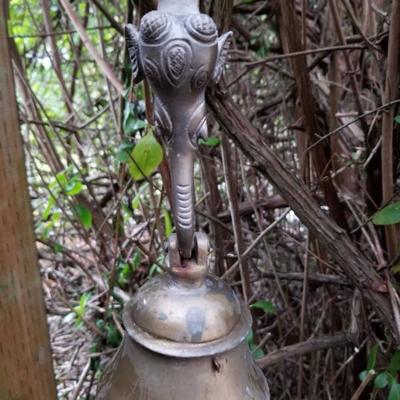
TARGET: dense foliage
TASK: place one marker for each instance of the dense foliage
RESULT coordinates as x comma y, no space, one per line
99,184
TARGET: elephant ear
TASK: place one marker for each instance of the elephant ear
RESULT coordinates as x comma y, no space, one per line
132,44
224,43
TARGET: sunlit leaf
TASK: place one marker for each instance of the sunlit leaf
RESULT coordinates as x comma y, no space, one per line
211,141
146,157
49,207
265,305
73,187
167,223
388,215
84,215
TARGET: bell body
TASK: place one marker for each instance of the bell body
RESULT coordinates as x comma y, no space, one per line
140,374
185,340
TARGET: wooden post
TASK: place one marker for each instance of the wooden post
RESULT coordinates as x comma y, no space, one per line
26,371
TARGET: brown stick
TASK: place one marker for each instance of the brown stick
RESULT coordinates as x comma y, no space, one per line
309,110
356,266
311,345
103,65
391,93
237,228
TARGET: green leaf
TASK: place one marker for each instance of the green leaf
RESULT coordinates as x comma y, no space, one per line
388,215
124,152
371,362
394,365
80,309
58,248
113,336
84,215
136,202
50,204
167,223
362,375
381,380
125,273
264,305
130,123
397,119
394,393
136,259
146,157
154,270
56,216
138,197
250,337
83,301
257,353
73,187
60,181
211,141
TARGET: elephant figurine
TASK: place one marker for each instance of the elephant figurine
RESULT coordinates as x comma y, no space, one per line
177,49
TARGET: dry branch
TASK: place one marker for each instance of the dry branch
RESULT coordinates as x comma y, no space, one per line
103,65
311,345
354,264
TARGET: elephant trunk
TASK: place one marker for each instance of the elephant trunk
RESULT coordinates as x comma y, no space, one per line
181,166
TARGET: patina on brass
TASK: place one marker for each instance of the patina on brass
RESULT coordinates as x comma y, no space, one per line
185,329
185,339
179,52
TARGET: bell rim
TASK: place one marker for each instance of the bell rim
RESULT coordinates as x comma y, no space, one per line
184,349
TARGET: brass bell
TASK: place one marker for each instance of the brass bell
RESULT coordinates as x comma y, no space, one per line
185,339
186,329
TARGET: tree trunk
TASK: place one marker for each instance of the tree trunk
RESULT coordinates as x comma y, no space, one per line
26,367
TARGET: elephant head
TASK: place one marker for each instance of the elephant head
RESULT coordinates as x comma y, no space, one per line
178,51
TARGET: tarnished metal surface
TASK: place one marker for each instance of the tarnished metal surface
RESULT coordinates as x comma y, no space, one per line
140,374
187,313
185,329
178,50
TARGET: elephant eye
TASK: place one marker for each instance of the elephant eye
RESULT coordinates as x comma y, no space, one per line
201,27
154,26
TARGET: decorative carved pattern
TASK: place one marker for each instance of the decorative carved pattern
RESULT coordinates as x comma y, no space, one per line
223,46
184,206
132,43
177,58
200,78
152,71
163,121
201,27
197,128
179,55
154,26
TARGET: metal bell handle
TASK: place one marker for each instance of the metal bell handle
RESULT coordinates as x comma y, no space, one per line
179,61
